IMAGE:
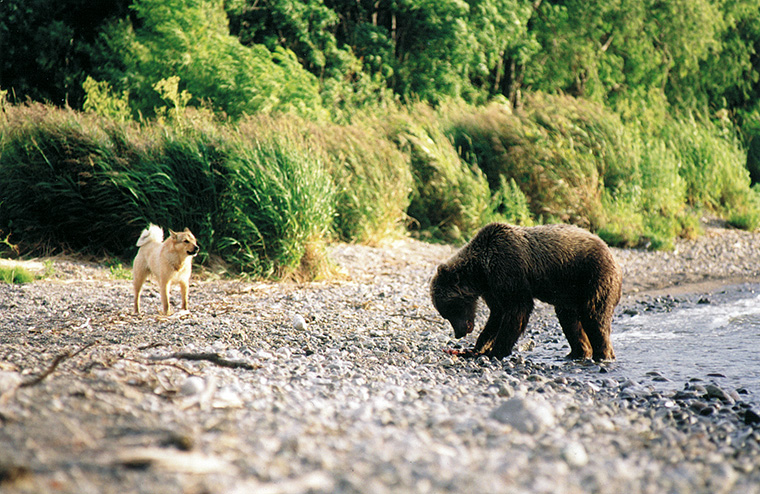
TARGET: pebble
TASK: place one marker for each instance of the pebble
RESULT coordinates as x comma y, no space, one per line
575,454
299,322
9,381
527,415
193,385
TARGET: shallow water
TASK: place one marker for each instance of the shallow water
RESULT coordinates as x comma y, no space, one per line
717,342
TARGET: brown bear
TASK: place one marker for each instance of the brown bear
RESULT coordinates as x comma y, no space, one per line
509,266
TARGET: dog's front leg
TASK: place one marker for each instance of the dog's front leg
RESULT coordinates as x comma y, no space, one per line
164,290
183,289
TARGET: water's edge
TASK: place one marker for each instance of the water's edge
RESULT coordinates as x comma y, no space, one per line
669,343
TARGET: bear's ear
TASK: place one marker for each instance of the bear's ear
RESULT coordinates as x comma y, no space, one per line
447,273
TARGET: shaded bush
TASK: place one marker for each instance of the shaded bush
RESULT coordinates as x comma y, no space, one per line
55,182
262,203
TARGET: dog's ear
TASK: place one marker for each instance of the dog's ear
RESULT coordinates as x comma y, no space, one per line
173,234
187,230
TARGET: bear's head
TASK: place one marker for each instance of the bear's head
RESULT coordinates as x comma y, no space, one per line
453,300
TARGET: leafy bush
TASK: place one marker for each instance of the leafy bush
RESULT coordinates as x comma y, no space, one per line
450,198
712,164
561,152
277,208
633,182
372,178
508,203
267,192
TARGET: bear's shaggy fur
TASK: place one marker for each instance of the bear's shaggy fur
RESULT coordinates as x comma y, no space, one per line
509,266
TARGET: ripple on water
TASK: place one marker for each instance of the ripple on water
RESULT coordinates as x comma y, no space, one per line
713,342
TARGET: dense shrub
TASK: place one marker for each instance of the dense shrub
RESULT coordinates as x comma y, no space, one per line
372,178
633,182
556,149
266,193
54,182
450,198
276,211
262,203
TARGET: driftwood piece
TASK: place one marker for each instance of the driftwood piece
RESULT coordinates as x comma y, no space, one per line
214,358
51,368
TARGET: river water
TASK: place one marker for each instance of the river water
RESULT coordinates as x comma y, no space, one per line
716,342
711,338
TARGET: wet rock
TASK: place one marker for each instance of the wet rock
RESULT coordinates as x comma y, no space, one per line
751,417
708,410
713,391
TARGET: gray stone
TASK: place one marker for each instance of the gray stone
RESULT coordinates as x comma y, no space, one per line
528,415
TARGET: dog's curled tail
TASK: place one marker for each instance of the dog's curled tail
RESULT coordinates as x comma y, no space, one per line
151,234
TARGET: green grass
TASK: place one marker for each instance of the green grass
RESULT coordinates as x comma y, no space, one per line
16,275
277,208
634,183
450,198
266,194
117,270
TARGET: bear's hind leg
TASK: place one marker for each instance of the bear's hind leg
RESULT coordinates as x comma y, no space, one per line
570,321
597,327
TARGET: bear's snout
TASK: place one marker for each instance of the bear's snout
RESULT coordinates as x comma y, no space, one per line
462,327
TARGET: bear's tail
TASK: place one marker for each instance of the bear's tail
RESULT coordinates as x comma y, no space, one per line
151,234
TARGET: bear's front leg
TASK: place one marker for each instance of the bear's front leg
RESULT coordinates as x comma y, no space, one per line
503,329
490,330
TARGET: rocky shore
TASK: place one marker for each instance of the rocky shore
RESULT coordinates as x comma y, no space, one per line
342,386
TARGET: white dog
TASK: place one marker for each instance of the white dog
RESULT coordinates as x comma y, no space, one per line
169,261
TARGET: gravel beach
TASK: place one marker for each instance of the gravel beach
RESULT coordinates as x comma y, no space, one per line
342,386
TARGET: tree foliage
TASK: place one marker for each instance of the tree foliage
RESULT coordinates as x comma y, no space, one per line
190,39
246,56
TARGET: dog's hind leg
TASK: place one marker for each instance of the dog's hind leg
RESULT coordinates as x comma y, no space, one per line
137,283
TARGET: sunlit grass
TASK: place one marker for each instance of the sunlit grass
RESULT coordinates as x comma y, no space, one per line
265,195
16,275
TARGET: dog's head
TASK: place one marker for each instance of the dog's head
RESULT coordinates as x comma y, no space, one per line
184,242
